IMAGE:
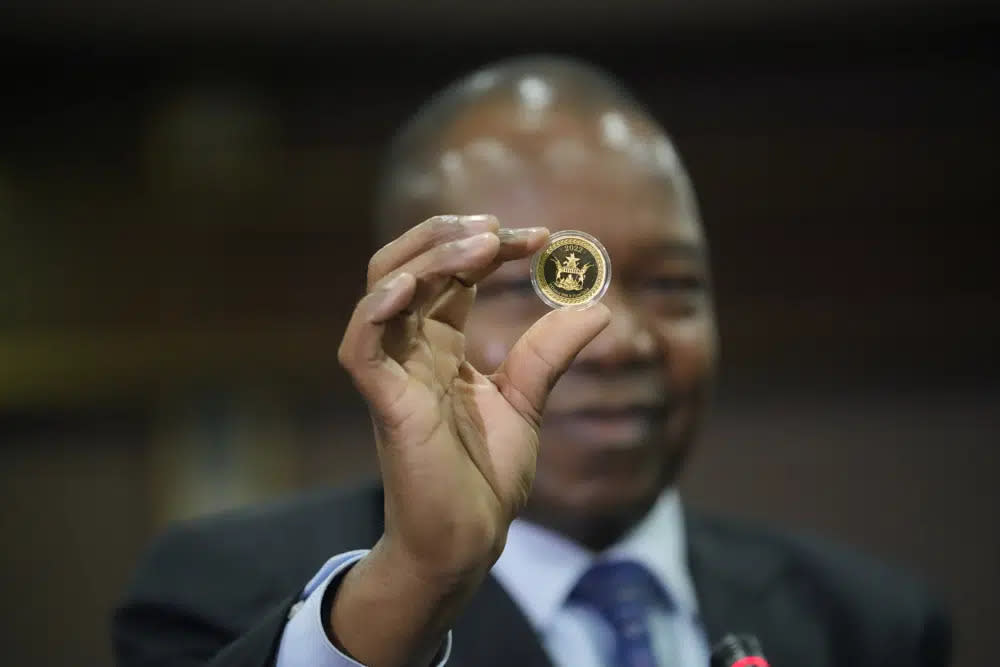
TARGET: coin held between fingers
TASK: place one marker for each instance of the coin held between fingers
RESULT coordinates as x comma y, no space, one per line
573,270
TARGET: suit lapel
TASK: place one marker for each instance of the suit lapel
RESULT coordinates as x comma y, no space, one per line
743,586
492,632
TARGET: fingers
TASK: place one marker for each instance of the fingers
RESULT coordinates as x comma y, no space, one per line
454,303
432,232
444,270
436,263
543,353
437,268
377,376
515,243
521,241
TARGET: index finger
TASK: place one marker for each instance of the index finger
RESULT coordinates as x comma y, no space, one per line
453,305
429,233
515,243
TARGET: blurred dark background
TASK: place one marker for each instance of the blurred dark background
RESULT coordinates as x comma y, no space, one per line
184,196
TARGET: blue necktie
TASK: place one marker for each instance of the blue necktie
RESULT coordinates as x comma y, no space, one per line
623,593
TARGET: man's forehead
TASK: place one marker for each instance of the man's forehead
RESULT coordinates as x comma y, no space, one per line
563,168
522,128
506,144
534,134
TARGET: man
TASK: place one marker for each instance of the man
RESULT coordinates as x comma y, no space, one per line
495,540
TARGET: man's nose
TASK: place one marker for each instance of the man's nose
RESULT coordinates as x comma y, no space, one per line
628,337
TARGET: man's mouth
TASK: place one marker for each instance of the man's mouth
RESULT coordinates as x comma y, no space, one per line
619,427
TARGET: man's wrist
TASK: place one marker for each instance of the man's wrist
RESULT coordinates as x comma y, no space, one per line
385,595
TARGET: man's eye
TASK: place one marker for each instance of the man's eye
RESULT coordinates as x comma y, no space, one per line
673,296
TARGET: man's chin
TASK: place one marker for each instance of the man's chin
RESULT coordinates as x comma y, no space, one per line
597,512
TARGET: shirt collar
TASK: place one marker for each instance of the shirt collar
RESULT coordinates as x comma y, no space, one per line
539,567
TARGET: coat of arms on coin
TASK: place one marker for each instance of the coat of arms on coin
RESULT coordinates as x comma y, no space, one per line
572,271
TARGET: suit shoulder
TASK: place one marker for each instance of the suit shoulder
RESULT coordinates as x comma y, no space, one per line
876,613
837,571
348,514
282,541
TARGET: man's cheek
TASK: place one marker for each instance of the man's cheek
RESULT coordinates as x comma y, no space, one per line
690,353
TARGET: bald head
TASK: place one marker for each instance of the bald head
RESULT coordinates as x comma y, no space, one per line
545,142
522,125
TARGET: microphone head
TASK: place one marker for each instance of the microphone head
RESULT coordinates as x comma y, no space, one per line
738,651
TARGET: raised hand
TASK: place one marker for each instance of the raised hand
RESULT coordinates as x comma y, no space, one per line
456,448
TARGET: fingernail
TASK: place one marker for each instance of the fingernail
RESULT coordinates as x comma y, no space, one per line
519,234
477,223
506,235
476,218
475,240
396,281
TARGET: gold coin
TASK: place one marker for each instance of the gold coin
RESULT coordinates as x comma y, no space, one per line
572,271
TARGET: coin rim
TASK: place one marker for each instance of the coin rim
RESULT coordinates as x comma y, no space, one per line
594,294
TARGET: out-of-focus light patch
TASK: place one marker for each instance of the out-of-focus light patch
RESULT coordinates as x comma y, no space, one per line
451,162
535,97
482,81
685,193
665,156
493,153
452,167
614,130
419,184
535,93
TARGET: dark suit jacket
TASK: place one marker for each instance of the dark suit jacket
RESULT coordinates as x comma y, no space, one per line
217,591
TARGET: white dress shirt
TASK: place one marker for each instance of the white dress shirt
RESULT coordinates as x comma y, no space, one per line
539,569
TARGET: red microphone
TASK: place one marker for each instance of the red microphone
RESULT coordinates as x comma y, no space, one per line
738,651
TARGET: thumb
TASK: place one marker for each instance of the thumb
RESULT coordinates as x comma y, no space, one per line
543,353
